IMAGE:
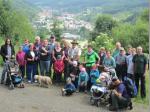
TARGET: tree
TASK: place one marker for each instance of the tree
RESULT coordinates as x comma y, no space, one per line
56,30
14,22
135,34
102,40
103,24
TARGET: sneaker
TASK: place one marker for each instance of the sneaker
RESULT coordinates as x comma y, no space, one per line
62,91
35,81
29,81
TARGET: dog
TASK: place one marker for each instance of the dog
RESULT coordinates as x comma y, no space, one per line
43,80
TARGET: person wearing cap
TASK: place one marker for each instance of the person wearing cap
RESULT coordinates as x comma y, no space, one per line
74,52
121,65
117,49
139,62
119,97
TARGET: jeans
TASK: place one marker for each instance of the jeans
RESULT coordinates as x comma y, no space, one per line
31,71
4,72
44,67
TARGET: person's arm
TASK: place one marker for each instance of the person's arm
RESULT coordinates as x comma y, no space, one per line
53,55
113,63
97,58
63,55
78,54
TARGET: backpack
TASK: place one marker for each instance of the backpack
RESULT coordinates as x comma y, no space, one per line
130,87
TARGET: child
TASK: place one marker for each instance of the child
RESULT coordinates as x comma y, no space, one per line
20,57
94,75
75,73
69,88
58,69
83,79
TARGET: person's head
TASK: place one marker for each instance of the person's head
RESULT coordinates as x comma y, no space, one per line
118,45
57,45
26,41
129,49
31,46
81,66
83,69
45,43
52,38
108,54
8,42
94,67
122,51
75,63
68,81
89,48
102,49
74,43
139,50
37,39
20,48
116,81
133,51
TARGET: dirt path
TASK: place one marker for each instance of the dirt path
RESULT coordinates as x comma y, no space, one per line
36,99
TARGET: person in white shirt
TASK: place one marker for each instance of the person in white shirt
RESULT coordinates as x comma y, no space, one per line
130,71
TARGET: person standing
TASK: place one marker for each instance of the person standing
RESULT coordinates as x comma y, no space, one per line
140,62
66,47
102,54
25,46
31,58
45,58
58,54
121,65
7,52
130,70
91,58
37,46
117,50
74,54
52,44
20,57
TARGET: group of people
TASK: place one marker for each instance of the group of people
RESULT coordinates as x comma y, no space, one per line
39,57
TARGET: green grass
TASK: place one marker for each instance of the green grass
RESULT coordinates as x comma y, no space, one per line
144,101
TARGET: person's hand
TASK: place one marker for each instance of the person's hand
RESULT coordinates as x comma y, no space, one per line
13,56
115,92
